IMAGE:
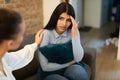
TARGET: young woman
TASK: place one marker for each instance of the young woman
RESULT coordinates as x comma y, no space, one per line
12,29
61,28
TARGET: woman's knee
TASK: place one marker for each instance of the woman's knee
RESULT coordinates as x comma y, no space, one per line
76,72
55,77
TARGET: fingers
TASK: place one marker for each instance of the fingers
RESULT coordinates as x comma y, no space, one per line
72,62
40,32
74,27
75,23
39,36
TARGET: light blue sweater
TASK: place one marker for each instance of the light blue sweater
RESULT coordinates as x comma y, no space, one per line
52,37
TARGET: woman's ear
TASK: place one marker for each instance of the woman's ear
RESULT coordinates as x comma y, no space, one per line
10,44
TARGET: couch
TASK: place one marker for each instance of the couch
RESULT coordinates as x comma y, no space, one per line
29,72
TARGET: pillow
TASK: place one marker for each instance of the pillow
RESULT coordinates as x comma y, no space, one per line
58,53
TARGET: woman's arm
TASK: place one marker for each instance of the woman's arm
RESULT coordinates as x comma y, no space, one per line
76,44
22,57
77,48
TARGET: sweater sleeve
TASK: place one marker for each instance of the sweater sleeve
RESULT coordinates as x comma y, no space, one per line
21,57
78,52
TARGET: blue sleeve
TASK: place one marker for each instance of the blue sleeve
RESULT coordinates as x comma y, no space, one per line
78,52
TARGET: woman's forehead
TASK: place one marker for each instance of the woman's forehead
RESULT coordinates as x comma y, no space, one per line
65,15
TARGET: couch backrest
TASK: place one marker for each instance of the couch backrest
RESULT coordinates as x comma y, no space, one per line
28,39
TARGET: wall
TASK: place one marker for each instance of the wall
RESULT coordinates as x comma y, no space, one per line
77,4
48,7
92,13
31,11
96,13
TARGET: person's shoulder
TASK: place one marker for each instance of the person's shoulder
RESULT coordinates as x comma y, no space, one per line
8,56
47,32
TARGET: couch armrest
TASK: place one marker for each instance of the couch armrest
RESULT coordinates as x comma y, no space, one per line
90,59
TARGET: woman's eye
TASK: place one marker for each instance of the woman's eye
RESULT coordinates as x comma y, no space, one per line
69,20
61,18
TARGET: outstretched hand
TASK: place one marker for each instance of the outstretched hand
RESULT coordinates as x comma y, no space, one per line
74,27
39,36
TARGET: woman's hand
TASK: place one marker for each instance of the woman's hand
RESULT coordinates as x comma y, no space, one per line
72,62
39,36
74,27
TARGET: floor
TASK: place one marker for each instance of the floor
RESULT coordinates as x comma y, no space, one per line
107,67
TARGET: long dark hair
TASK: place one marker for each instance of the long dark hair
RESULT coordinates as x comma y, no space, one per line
9,24
61,8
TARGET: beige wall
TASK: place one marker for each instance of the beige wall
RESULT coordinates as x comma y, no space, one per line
95,13
92,14
48,7
31,11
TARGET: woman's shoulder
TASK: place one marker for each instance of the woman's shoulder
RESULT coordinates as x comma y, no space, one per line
46,31
8,57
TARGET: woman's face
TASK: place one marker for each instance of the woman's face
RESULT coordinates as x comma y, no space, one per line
19,37
63,23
